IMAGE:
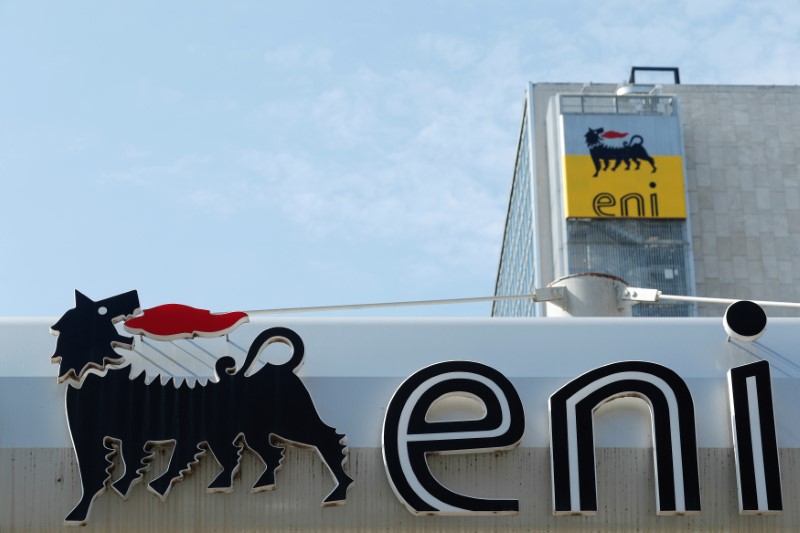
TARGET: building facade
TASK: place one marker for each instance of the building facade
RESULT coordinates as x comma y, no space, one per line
689,189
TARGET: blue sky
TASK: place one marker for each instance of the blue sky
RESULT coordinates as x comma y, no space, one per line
244,155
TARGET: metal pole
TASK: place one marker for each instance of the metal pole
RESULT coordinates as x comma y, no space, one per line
727,301
410,303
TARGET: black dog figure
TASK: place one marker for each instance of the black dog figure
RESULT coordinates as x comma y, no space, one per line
602,153
114,410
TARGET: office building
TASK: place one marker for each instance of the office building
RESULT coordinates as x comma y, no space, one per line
689,189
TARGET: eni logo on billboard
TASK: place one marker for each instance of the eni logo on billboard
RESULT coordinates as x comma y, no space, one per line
623,167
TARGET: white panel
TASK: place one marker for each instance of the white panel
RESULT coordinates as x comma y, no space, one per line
352,367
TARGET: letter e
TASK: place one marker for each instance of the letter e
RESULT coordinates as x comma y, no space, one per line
408,436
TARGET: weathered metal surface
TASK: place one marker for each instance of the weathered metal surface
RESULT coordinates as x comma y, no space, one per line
37,486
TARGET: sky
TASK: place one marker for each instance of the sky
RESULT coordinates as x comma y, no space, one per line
254,155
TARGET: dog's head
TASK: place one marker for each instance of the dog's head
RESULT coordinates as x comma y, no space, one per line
87,336
593,136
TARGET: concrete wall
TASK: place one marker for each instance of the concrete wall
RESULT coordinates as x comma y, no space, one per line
742,155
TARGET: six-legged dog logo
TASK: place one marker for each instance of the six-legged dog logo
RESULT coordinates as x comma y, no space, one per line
110,412
602,153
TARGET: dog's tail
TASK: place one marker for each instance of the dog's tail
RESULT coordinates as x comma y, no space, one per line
634,139
267,337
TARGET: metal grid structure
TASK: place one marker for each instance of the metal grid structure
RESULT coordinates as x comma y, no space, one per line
650,253
516,273
612,104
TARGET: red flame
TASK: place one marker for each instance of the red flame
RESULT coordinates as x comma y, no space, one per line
613,135
176,321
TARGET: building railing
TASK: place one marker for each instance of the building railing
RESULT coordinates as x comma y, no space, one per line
611,104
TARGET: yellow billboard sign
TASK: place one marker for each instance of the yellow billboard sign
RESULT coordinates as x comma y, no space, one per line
624,193
608,172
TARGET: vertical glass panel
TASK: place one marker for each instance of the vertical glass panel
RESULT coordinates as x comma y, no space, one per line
516,272
650,253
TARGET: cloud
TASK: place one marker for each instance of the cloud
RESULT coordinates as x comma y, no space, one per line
421,155
299,57
415,156
455,52
76,145
131,151
755,45
159,94
718,41
159,176
346,115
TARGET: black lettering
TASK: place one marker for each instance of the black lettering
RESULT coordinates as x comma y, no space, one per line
654,205
601,201
408,436
572,435
625,201
754,441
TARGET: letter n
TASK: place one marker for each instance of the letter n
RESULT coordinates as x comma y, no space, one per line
754,441
674,439
638,201
408,436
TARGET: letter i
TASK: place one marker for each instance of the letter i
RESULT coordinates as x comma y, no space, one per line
654,205
754,440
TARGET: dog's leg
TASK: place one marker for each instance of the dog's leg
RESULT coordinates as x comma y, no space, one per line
228,454
652,163
306,428
94,467
272,457
334,453
184,456
331,448
134,458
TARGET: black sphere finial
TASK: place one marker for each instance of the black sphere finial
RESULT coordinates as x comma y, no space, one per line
745,321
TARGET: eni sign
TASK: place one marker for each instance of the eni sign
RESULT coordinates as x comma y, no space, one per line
113,410
622,166
414,424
